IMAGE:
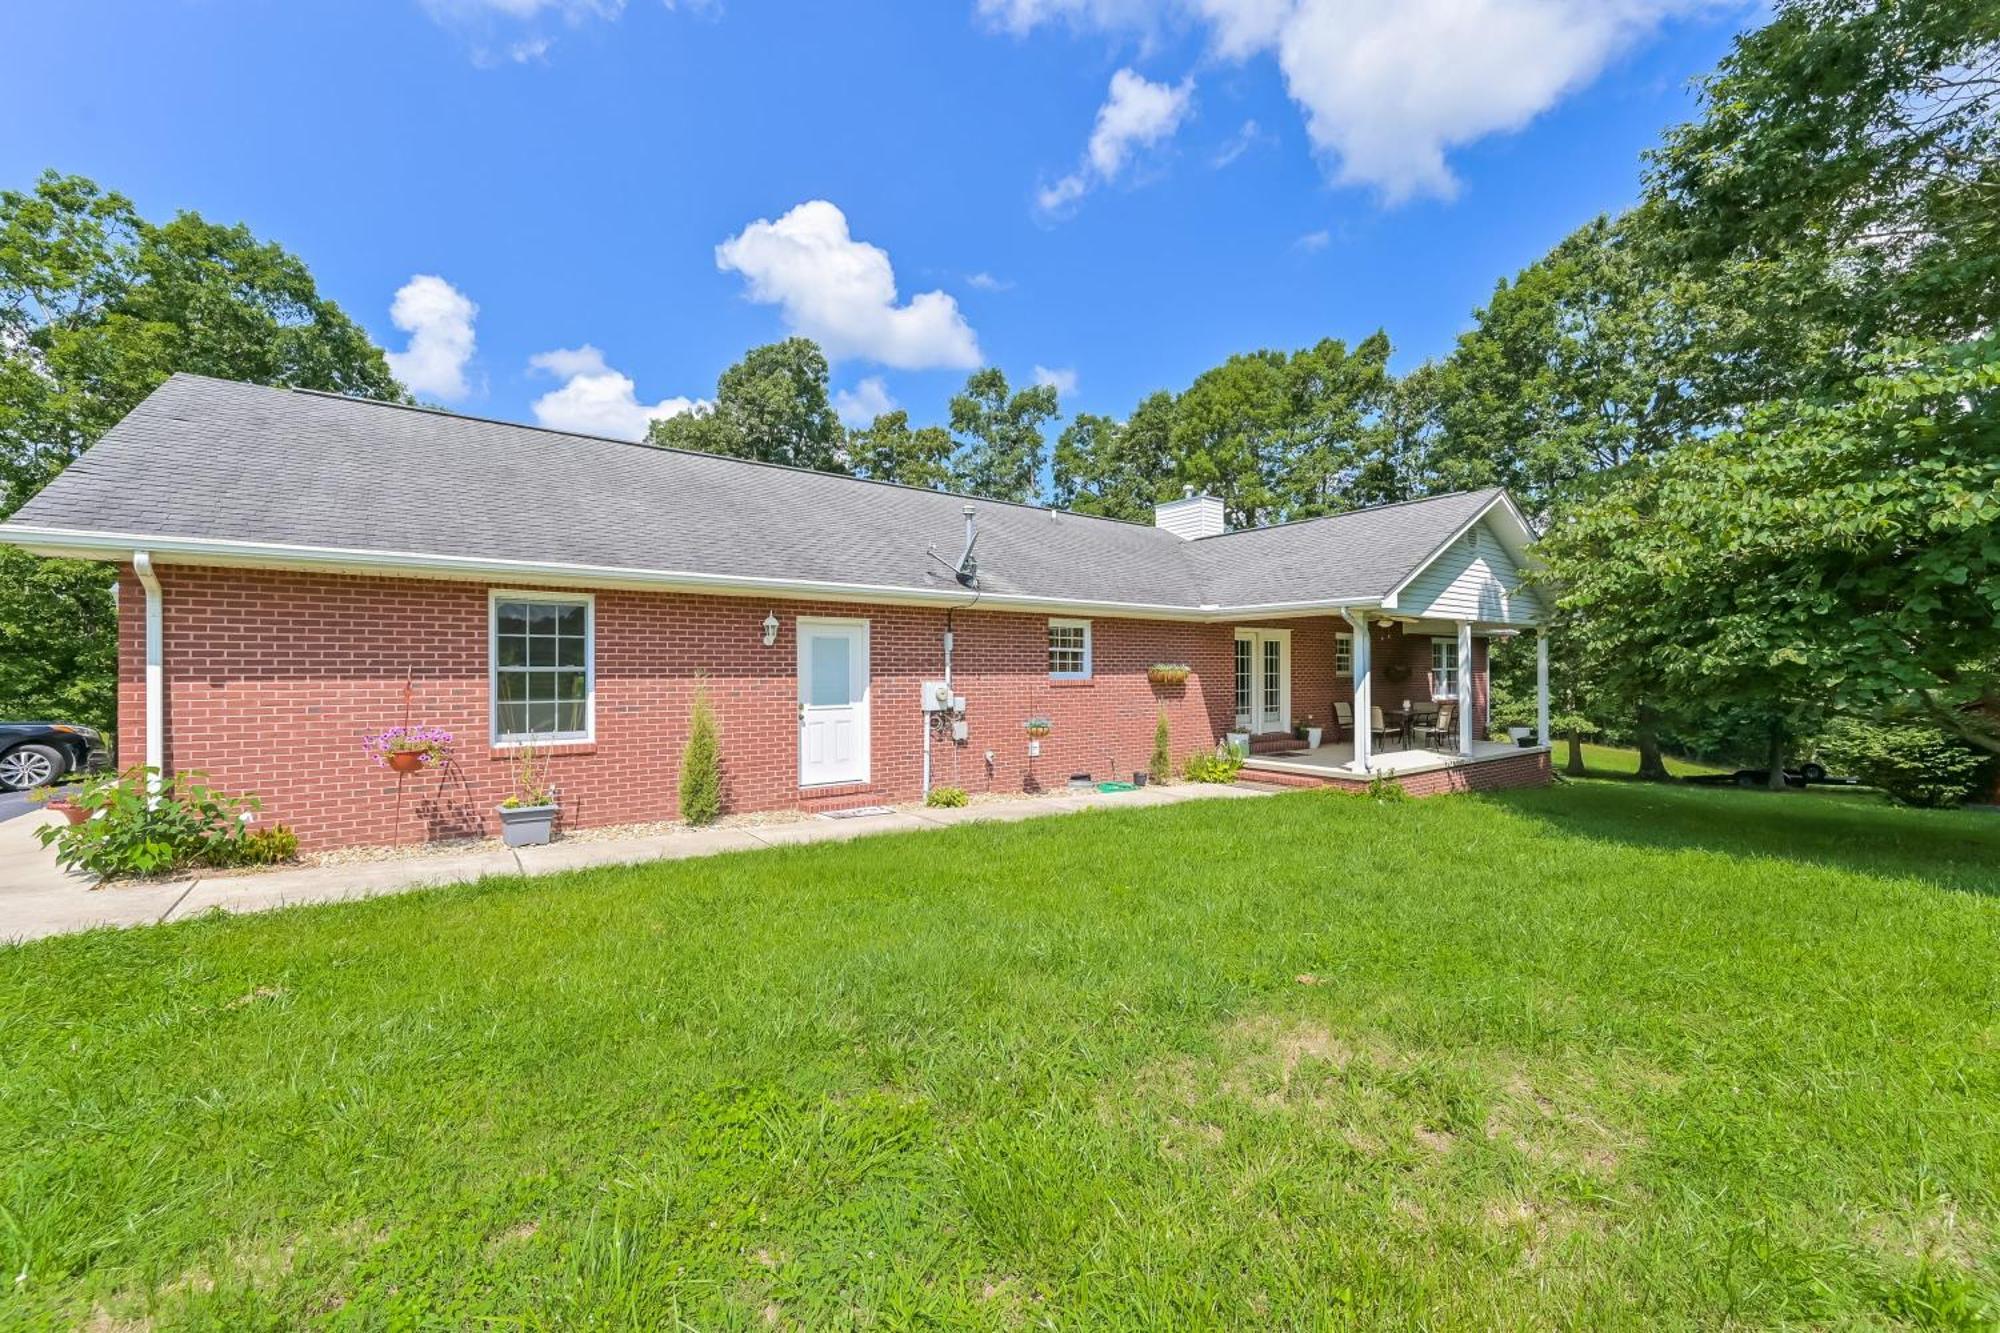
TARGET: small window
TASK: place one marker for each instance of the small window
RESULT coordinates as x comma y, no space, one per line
1444,668
1343,656
1069,649
542,668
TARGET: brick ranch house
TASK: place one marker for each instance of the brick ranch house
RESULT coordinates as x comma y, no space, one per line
300,570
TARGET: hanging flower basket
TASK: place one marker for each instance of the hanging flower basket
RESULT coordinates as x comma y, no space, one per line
1169,673
409,749
1038,727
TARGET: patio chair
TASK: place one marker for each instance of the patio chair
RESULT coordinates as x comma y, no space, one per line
1443,728
1343,721
1380,729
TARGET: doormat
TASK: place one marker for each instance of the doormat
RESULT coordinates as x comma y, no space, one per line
858,812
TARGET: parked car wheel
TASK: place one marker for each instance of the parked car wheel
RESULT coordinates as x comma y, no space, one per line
27,766
1812,773
1749,780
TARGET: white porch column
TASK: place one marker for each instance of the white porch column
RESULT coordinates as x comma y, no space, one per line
1466,702
1541,687
1364,693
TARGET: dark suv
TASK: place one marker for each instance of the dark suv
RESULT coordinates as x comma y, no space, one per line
34,754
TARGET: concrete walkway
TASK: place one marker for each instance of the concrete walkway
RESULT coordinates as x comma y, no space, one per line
37,898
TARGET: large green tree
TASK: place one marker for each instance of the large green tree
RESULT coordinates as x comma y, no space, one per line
1001,436
889,450
1119,469
772,406
97,307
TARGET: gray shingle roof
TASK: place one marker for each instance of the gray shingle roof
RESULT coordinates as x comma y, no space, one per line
211,459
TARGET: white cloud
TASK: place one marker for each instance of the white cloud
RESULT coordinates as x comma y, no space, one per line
1060,378
1238,144
841,292
438,317
986,282
1313,241
1388,90
864,402
1137,114
594,399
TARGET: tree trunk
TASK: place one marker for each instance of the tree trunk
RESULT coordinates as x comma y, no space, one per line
1574,768
1774,775
1646,735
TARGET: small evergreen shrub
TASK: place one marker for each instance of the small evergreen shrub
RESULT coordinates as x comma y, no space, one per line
1917,765
1161,767
701,765
1212,767
946,798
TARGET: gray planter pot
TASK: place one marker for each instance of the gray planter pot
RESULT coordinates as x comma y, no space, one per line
527,825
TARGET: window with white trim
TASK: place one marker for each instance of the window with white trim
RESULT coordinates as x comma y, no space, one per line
1069,650
543,671
1343,656
1444,668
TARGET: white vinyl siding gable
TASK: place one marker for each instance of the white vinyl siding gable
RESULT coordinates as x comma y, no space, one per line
1472,579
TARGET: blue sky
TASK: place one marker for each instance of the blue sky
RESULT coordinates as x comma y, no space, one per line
1119,192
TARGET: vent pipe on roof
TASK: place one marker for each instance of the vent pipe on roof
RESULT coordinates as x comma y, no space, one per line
1191,516
968,564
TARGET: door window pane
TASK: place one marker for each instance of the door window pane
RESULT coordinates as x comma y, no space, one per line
1243,677
828,656
1273,676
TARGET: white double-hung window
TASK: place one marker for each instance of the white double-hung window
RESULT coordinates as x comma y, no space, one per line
1343,656
1444,668
543,669
1069,650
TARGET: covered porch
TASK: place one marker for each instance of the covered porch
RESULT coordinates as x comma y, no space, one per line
1336,758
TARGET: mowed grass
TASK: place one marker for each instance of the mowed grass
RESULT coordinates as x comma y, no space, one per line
1618,762
1604,1055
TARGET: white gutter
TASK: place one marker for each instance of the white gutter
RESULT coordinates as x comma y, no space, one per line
156,729
79,544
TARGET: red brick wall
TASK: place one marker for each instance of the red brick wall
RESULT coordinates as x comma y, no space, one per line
273,679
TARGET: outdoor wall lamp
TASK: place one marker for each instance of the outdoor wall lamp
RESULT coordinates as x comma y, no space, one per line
770,629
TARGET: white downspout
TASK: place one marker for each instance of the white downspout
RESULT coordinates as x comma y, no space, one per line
156,722
1466,701
1364,691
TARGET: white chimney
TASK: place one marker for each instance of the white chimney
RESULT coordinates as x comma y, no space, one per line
1191,516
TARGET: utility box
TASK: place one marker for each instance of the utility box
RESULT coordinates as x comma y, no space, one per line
937,696
961,731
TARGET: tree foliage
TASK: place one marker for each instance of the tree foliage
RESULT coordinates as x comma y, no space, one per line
771,406
98,306
1000,434
888,450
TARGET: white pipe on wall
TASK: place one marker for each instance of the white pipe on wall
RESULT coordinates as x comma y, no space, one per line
156,721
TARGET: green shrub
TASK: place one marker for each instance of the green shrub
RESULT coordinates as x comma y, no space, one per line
1161,766
132,830
946,798
1212,767
261,847
701,765
1382,787
1917,765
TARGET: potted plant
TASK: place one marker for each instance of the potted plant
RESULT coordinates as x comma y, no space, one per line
1308,731
1038,727
528,817
52,799
409,749
1169,673
1237,743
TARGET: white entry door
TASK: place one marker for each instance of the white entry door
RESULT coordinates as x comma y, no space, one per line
1264,679
833,702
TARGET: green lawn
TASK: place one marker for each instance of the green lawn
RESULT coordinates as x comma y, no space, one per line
1604,1055
1617,762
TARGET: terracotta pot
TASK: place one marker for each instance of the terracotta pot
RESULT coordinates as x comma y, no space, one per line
406,761
75,814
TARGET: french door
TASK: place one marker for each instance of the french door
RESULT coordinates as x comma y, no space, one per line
1263,680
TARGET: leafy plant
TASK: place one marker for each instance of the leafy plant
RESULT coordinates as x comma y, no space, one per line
946,798
1168,673
133,829
701,765
1221,768
258,847
1161,766
1382,787
531,779
1917,765
1038,727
